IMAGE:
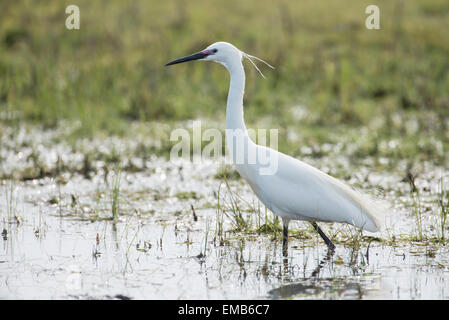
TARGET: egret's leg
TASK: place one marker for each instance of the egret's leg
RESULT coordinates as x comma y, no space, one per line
285,234
325,238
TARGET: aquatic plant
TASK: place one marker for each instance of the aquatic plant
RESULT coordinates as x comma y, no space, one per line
115,192
11,200
443,202
417,210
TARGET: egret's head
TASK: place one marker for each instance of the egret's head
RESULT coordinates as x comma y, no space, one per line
222,52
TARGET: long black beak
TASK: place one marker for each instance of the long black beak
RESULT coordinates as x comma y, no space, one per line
195,56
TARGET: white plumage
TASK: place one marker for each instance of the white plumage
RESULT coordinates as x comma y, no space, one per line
298,191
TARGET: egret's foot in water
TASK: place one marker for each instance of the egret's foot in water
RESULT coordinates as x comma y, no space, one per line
285,250
329,243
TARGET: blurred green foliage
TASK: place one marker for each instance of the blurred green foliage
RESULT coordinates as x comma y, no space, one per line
111,70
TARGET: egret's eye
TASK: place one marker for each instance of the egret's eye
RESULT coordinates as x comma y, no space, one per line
214,50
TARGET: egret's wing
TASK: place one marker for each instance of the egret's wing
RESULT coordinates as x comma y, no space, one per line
298,188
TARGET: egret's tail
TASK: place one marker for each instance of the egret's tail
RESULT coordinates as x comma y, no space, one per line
372,211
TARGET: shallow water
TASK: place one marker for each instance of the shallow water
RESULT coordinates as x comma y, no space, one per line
59,240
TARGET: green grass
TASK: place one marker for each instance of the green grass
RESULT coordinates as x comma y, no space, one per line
443,202
115,195
418,212
243,217
111,71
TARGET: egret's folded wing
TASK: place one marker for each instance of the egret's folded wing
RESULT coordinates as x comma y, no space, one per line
305,190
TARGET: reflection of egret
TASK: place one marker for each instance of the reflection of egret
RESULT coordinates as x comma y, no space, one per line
295,190
323,262
308,284
327,258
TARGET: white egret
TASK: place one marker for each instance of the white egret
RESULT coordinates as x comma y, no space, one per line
295,190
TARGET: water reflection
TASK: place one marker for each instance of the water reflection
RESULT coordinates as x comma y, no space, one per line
313,286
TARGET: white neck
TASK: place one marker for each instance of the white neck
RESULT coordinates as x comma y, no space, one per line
234,107
238,143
